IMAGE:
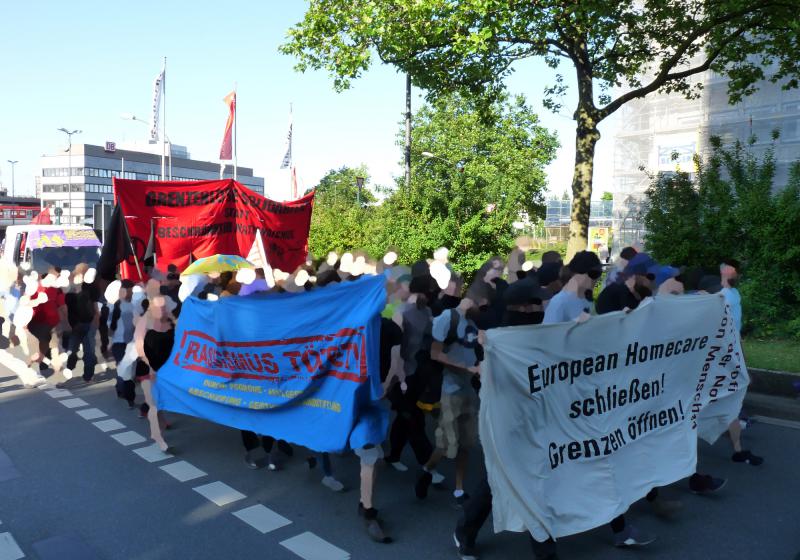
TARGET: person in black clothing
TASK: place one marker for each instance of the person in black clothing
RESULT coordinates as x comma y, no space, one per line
523,302
637,282
82,316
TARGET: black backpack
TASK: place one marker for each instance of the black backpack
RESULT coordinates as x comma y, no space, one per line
430,370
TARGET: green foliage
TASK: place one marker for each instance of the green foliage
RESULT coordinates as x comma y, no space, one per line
485,169
607,196
730,210
634,47
341,184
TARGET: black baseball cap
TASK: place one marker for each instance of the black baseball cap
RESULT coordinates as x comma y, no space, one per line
549,272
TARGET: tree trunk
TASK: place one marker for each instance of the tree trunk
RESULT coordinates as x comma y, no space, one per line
585,141
408,132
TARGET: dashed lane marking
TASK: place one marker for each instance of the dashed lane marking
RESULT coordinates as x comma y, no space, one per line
261,518
128,438
91,413
9,550
58,393
311,547
183,471
152,453
109,425
219,493
74,403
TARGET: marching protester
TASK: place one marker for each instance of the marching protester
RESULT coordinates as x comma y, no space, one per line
431,357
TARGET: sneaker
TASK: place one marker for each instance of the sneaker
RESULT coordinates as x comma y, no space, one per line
631,536
375,531
465,551
142,414
747,457
332,483
272,466
437,477
67,373
398,466
666,508
422,485
709,485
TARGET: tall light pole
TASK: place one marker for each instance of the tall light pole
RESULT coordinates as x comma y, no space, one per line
13,212
69,134
134,118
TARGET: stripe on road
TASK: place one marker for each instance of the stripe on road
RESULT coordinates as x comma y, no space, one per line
58,393
129,438
152,453
74,403
219,493
109,425
261,518
183,471
91,413
9,550
311,547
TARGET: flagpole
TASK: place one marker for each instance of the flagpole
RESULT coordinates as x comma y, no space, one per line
235,129
164,119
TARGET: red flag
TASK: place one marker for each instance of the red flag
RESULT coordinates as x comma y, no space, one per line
226,150
42,218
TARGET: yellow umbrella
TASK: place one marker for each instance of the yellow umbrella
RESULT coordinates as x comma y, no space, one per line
217,263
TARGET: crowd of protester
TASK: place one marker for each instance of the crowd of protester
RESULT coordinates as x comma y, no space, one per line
430,352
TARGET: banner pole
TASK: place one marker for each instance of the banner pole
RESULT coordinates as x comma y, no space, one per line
164,120
235,129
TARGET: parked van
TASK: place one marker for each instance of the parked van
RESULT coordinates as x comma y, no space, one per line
43,246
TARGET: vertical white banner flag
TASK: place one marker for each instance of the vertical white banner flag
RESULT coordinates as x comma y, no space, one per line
287,157
158,89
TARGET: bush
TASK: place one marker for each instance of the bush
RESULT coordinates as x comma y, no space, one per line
729,209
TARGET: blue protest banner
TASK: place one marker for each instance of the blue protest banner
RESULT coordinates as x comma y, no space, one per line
299,367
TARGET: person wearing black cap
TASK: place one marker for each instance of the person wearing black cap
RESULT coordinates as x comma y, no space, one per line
637,284
523,306
549,275
571,302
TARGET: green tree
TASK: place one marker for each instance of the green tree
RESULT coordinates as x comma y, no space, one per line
472,178
618,51
729,210
607,196
338,223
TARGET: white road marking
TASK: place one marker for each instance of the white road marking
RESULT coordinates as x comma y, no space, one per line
311,547
152,454
91,413
183,471
109,425
74,403
777,422
129,438
58,393
219,493
261,518
9,550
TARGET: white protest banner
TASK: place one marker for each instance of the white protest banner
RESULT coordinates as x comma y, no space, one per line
578,421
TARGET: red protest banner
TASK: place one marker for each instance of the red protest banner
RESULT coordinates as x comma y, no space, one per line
203,218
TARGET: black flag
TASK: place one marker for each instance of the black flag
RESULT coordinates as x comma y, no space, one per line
150,253
117,247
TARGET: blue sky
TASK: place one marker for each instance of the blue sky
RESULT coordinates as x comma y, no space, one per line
81,64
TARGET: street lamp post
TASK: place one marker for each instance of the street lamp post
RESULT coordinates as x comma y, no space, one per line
13,212
134,118
69,134
359,185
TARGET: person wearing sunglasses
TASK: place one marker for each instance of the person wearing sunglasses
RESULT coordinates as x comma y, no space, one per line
573,301
637,283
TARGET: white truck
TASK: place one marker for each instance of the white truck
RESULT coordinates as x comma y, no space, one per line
43,246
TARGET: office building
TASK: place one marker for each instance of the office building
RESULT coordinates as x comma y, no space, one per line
93,168
662,133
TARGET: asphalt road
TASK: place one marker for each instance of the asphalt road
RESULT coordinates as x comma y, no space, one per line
69,490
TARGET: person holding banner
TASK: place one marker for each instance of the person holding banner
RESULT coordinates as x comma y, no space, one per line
571,303
523,303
